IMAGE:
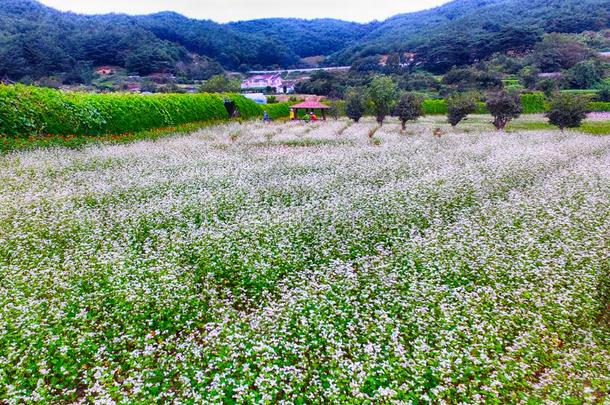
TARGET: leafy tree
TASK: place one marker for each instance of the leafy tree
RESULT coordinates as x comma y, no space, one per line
604,94
337,108
355,105
220,84
382,95
368,64
470,78
418,81
559,51
81,73
409,108
585,75
567,110
459,106
504,107
548,86
529,77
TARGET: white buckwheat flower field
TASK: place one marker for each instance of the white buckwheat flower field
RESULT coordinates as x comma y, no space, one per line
292,263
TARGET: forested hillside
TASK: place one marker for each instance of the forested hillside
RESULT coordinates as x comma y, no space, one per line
464,31
37,41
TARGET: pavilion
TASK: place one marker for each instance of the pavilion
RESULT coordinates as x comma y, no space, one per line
310,106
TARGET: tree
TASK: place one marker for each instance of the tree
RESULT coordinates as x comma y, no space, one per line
355,105
337,108
585,75
604,94
459,105
382,95
567,110
409,108
548,86
559,51
472,78
504,107
220,84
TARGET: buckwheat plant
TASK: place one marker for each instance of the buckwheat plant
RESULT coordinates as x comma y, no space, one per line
308,268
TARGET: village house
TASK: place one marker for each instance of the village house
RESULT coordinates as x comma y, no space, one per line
133,87
550,75
105,70
265,81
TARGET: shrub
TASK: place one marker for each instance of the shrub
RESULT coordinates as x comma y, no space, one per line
409,108
382,94
504,107
533,103
459,106
568,110
354,105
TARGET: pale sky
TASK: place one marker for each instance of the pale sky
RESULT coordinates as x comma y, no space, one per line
234,10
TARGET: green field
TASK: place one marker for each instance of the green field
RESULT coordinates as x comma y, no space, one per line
292,263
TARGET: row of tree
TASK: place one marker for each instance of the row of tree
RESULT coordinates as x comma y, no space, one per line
383,98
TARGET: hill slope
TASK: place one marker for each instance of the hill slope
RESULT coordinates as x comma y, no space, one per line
464,31
36,40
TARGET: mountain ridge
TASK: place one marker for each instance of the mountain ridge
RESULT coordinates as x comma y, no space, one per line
37,40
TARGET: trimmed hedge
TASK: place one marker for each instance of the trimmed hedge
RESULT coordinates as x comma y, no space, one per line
534,103
278,110
28,110
247,108
599,106
435,107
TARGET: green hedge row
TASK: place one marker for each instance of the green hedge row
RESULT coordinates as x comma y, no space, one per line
28,110
278,111
533,103
435,107
599,106
247,108
439,107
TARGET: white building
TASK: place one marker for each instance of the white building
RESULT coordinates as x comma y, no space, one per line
265,81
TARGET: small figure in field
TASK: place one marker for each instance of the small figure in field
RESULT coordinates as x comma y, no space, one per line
313,116
266,117
292,114
307,118
438,132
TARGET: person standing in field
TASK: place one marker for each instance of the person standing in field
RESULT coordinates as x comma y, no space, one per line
292,114
266,116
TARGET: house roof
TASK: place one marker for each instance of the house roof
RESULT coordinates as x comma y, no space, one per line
264,77
313,104
550,74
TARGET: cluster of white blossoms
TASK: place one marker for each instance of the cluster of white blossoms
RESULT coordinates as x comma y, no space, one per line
293,263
